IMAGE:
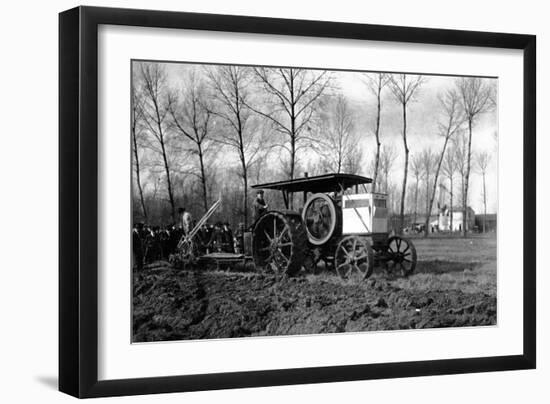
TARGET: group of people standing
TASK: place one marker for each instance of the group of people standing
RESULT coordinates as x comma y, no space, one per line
153,243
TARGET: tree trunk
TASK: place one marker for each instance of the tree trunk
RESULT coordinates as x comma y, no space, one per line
451,204
138,180
466,180
377,135
293,157
428,210
376,165
165,160
245,201
292,135
415,201
245,185
484,203
242,157
404,188
203,178
168,181
434,188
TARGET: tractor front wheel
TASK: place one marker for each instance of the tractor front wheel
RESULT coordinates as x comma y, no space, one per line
401,254
354,258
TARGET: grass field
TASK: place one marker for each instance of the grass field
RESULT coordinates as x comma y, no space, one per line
468,265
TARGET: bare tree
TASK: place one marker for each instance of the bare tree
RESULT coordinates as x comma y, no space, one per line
293,96
353,163
449,170
232,96
387,158
375,83
461,152
370,169
154,107
450,125
393,195
482,162
428,163
136,126
417,172
477,96
338,136
403,88
192,118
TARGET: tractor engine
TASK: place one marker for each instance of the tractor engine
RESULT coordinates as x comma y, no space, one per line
365,213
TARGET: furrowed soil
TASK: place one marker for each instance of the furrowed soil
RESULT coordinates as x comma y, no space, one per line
454,286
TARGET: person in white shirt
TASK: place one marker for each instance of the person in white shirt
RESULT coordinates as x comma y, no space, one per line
185,220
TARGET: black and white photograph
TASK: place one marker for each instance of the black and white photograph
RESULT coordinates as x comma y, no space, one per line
275,202
272,201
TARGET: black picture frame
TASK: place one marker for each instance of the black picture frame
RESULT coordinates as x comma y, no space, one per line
78,206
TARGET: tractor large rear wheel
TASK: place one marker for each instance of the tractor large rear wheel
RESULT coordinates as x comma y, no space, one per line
280,242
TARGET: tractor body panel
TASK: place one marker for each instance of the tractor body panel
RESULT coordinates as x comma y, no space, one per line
364,213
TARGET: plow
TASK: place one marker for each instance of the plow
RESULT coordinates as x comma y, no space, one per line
188,250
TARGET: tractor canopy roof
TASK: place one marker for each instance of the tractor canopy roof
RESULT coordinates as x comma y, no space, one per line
319,183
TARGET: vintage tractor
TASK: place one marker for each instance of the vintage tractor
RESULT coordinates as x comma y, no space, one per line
346,230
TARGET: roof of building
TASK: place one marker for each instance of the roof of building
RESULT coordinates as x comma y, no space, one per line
421,219
458,209
319,183
488,216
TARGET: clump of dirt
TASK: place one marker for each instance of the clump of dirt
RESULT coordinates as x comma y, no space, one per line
175,305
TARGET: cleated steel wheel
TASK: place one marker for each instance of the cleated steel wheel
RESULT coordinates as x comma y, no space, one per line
401,255
279,242
354,258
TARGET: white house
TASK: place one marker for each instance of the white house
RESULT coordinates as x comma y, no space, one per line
445,219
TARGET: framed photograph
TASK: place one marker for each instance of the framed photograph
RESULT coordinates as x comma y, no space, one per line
251,201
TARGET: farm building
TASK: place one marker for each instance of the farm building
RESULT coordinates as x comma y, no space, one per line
412,225
490,221
421,222
445,219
